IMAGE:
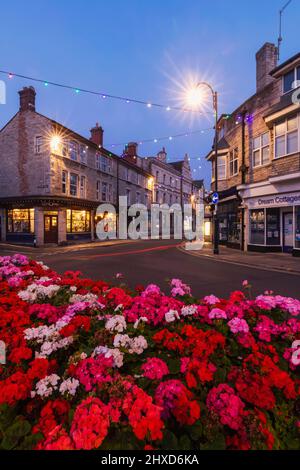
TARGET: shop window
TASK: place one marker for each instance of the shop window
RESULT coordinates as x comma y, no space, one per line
273,226
223,229
73,184
261,150
286,137
20,221
234,228
297,226
257,227
78,221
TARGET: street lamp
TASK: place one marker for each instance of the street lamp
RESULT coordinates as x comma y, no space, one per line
194,98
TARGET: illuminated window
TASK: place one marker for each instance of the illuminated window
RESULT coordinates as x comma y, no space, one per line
78,221
20,221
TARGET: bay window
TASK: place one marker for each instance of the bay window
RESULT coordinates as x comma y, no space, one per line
222,160
286,137
261,150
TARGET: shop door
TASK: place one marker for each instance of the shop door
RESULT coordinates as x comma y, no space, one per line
50,229
288,241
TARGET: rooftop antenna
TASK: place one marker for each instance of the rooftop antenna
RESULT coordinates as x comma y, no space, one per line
280,26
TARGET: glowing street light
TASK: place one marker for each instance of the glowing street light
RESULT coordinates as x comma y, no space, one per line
194,97
55,142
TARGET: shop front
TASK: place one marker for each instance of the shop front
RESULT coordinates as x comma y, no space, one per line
37,221
273,221
230,220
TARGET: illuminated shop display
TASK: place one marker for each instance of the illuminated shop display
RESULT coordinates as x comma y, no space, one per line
78,221
20,221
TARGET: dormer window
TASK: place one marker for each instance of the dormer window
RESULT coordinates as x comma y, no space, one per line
289,79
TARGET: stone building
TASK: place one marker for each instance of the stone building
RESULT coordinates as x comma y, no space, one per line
53,179
259,162
172,181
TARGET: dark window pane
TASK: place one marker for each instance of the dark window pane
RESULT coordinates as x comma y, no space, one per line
288,80
273,226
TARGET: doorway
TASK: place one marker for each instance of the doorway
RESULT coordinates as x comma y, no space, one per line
50,228
288,239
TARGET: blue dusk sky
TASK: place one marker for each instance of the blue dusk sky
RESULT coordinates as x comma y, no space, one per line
143,49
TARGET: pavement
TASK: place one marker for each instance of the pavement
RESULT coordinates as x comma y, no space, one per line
156,261
265,261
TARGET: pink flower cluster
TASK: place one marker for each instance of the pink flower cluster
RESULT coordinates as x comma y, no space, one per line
268,302
179,288
155,368
223,401
238,325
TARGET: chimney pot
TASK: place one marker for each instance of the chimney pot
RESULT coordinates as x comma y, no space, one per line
27,99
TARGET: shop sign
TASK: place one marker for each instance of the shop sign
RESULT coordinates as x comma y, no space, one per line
279,200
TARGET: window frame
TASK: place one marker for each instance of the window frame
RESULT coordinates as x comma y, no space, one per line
83,154
235,154
73,148
71,184
260,149
285,135
38,147
295,70
64,182
82,186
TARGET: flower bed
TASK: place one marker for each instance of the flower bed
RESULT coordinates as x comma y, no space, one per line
89,365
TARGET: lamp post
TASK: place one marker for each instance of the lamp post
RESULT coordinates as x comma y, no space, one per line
215,107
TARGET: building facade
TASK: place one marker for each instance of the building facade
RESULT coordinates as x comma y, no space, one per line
53,179
259,162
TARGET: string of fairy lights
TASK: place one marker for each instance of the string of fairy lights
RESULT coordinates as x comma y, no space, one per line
103,95
146,103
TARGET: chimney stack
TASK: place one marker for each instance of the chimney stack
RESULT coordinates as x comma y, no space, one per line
27,99
97,135
162,155
131,149
266,61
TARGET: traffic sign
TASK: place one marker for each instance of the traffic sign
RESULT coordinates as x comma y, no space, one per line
215,198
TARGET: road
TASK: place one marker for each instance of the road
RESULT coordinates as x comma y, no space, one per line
144,262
